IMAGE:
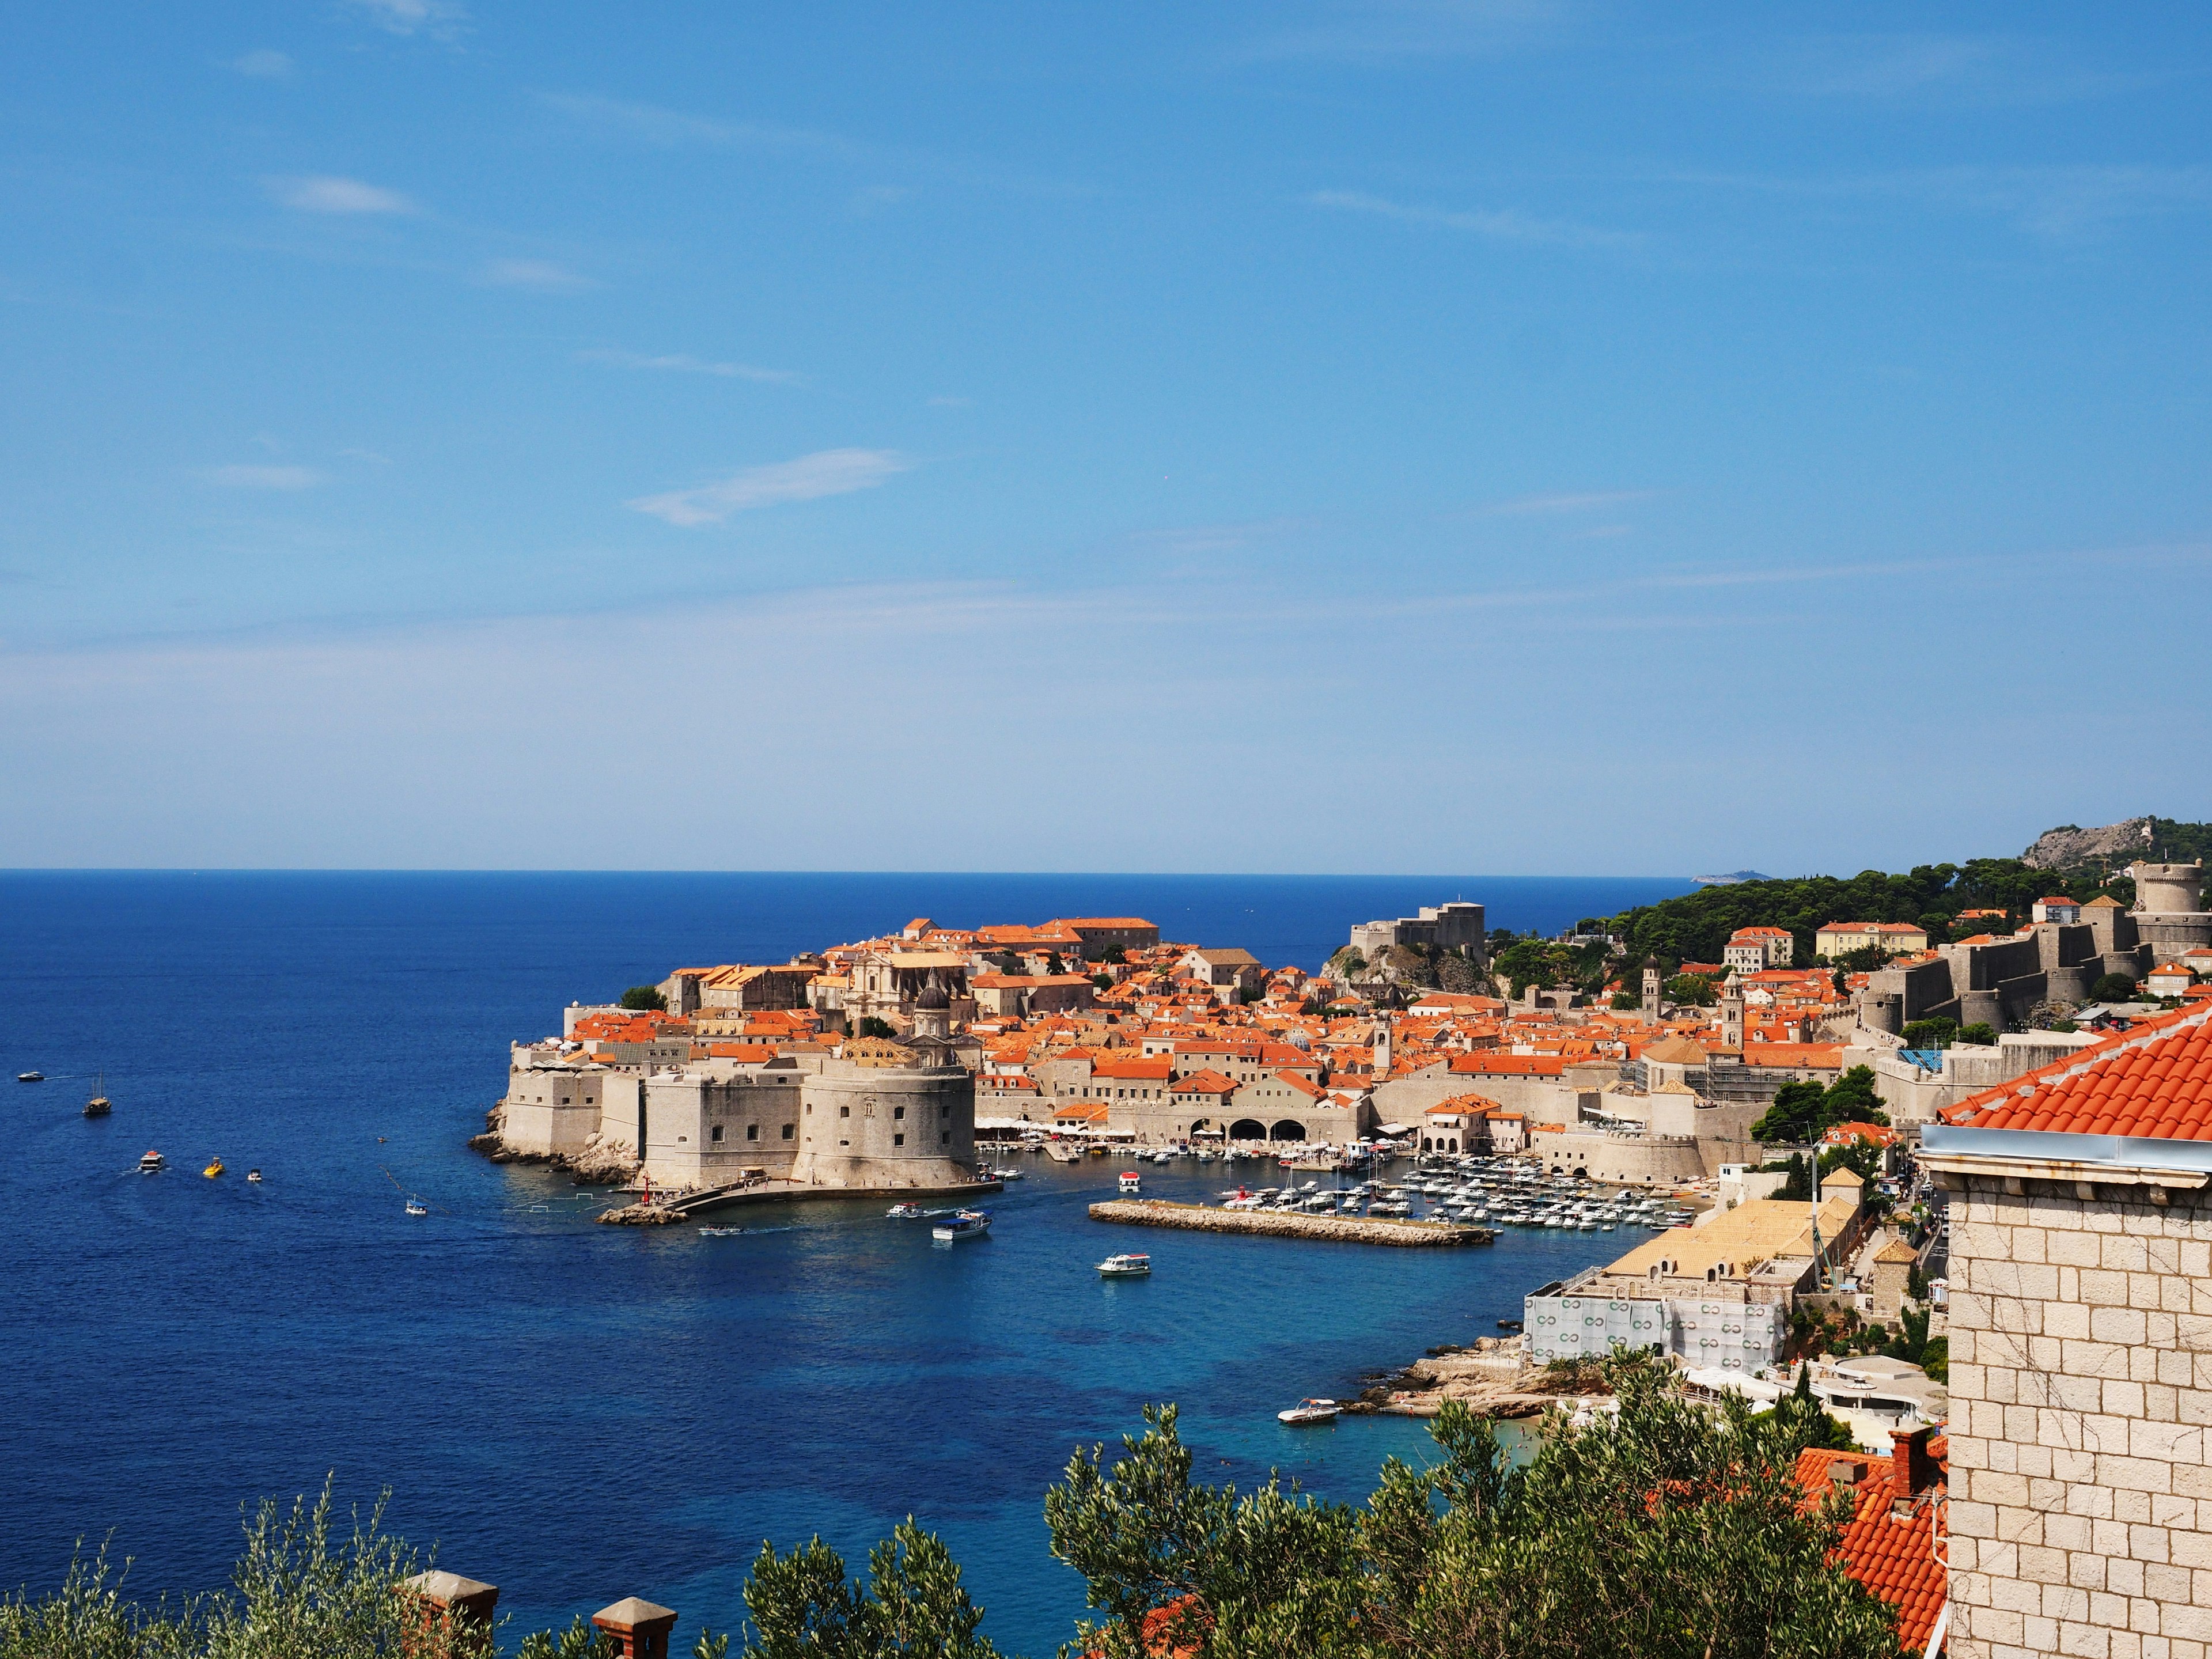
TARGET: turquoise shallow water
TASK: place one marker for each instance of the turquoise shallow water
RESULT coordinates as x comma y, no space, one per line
576,1413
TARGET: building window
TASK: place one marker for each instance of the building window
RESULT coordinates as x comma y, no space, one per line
715,1134
899,1140
844,1111
787,1131
945,1137
752,1132
898,1112
844,1143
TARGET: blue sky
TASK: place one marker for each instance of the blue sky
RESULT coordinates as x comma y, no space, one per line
1395,437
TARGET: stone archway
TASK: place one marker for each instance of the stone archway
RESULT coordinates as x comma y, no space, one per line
1247,1128
1288,1129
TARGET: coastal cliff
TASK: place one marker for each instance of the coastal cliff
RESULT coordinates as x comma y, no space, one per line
599,1163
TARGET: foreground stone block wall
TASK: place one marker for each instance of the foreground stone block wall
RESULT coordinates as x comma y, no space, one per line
2080,1514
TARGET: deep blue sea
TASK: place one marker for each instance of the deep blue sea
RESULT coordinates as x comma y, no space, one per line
575,1412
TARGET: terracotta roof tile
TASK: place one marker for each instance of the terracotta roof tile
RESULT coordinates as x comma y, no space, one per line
2153,1081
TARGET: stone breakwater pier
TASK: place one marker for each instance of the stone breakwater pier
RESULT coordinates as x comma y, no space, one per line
1345,1230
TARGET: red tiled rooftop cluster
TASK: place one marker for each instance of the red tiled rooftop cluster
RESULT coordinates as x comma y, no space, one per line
2154,1081
1890,1546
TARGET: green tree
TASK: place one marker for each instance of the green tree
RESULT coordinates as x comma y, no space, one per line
803,1606
1691,990
641,997
1938,1033
1852,1099
581,1640
1531,961
1980,1034
2113,987
1661,1532
1796,1116
873,1027
300,1588
1936,1359
1625,1000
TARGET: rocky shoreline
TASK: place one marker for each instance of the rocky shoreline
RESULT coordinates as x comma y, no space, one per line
1491,1378
600,1163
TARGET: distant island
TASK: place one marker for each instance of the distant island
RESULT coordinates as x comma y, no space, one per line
1730,879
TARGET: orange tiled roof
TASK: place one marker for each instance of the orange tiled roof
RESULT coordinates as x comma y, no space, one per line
2153,1081
1893,1556
1814,1056
1208,1082
1487,1064
1145,1071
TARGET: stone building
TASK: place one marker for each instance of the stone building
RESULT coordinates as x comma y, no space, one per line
1754,949
738,988
1453,926
2169,915
1717,1296
2080,1328
878,1115
1229,974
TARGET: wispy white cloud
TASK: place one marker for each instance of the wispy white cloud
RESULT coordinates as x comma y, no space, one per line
1502,225
1226,538
322,193
1582,502
1984,69
2054,202
1387,31
263,65
682,363
670,129
262,477
810,477
441,19
543,274
367,457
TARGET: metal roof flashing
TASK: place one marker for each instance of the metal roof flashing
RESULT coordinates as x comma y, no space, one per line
1945,1145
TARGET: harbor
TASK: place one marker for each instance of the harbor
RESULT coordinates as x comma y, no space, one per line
650,1211
1346,1230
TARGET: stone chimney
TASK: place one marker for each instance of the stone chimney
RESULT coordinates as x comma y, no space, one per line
447,1596
639,1628
1911,1467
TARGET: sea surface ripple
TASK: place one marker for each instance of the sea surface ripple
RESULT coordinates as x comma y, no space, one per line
573,1412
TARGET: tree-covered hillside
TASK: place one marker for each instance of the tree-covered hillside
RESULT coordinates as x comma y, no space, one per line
1695,927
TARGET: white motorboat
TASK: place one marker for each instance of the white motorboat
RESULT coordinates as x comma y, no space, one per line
30,1076
962,1224
1125,1266
416,1207
1132,1181
152,1164
904,1212
1310,1411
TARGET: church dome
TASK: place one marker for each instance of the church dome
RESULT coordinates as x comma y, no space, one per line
933,997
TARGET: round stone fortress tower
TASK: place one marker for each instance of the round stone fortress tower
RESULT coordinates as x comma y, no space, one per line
887,1116
2168,912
